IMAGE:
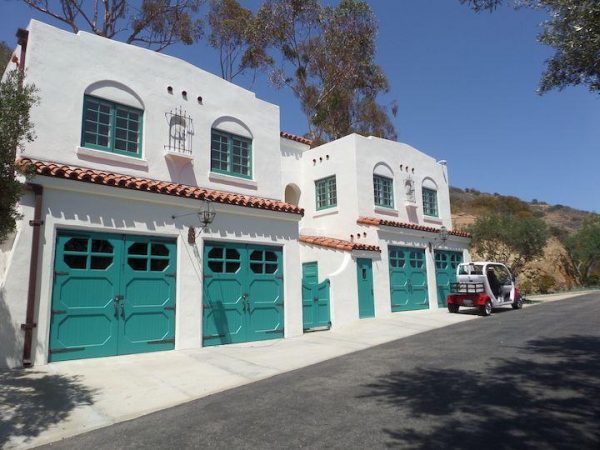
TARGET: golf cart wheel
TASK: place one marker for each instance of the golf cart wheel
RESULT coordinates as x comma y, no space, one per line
517,303
486,309
453,308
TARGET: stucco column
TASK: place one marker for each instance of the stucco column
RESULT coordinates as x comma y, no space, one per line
292,289
431,280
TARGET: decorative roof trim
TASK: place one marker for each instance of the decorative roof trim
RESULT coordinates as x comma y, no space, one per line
51,169
410,226
337,244
295,137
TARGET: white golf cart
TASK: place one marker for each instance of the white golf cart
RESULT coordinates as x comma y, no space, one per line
485,285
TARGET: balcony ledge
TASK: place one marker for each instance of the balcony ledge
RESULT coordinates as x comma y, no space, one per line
113,157
178,154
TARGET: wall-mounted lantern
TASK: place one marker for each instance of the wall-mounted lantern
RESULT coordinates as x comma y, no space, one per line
443,237
206,216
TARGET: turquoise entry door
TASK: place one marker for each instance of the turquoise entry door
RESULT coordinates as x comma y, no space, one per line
408,279
315,298
243,293
446,263
100,307
366,300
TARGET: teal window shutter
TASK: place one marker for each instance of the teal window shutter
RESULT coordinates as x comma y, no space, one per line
111,127
326,193
430,205
230,154
383,188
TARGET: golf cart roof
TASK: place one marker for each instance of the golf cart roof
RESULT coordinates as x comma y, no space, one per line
482,263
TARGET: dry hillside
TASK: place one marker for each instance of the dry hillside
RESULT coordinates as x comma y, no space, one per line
548,274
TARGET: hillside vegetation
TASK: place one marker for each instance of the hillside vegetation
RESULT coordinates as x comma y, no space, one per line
551,272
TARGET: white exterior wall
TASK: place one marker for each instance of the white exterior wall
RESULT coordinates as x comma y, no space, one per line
352,160
334,158
73,205
13,289
371,151
291,166
64,65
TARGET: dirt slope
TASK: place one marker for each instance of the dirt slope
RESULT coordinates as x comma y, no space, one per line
548,274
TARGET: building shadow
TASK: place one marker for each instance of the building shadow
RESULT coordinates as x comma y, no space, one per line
548,397
31,402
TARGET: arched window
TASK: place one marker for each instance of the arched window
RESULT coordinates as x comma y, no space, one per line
430,201
231,148
112,119
383,185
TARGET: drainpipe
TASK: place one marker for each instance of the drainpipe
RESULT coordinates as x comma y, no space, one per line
22,37
36,223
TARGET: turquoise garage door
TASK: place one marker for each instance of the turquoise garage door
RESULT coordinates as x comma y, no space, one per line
315,298
408,279
112,295
445,272
243,293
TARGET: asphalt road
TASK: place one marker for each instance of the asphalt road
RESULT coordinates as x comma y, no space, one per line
518,379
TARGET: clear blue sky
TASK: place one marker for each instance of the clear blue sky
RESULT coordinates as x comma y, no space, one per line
465,84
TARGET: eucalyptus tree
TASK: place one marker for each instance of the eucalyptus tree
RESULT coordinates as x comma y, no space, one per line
155,24
240,42
326,57
573,30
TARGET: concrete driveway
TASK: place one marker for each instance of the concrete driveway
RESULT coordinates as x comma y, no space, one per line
63,399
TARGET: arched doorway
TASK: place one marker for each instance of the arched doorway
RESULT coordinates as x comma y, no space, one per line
292,194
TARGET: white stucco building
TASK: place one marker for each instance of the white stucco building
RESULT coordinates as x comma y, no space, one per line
111,256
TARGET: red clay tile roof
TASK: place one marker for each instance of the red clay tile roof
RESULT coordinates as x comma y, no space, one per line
294,137
338,244
411,226
56,170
